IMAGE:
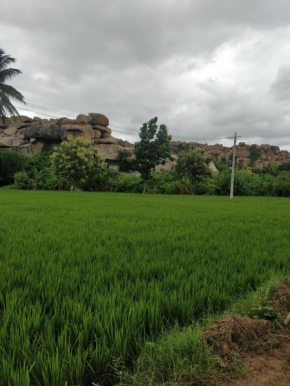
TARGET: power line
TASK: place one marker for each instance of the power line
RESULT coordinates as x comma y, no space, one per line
210,138
177,137
36,112
48,109
124,132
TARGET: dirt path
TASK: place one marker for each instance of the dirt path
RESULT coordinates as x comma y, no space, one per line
268,369
270,365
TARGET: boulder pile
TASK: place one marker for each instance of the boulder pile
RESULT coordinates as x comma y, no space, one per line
28,135
255,155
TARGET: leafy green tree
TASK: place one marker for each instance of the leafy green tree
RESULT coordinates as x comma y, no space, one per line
255,154
78,165
152,149
8,92
183,146
127,163
192,165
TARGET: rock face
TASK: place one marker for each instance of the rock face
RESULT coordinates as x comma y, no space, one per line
247,155
28,135
99,119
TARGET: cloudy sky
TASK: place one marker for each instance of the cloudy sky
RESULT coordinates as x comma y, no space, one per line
206,68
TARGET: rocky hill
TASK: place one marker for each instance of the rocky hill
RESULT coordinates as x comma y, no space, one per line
28,135
248,155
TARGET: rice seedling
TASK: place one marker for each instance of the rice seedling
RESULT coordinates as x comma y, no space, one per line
87,278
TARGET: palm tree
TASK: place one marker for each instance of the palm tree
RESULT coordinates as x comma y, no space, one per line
8,92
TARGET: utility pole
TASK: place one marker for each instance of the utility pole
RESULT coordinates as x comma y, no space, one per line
233,167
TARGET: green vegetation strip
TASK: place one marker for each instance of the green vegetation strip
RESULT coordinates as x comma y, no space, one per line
86,278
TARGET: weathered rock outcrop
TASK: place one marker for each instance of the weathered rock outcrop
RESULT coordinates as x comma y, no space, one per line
247,155
28,135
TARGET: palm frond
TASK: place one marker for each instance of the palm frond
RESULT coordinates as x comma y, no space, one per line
6,91
5,60
8,73
6,106
11,92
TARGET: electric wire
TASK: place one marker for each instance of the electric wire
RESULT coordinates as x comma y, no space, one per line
36,112
177,137
48,109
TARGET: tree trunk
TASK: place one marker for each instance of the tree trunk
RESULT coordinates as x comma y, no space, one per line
144,187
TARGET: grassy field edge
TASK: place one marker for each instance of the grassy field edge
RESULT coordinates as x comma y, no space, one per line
185,356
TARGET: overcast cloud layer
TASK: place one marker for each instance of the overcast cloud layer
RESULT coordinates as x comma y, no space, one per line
206,68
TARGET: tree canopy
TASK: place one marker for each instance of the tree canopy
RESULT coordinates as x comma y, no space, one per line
152,149
192,166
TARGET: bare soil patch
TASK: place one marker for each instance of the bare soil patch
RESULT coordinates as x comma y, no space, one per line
261,347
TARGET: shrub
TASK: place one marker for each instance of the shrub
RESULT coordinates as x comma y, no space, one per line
22,181
245,183
39,161
10,163
281,185
129,183
77,164
223,183
208,186
46,179
284,167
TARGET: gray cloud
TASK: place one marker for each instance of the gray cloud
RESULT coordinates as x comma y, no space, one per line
280,88
205,68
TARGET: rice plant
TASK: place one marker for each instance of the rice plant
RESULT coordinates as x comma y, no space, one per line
87,278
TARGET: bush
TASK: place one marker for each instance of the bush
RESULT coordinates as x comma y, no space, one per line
281,185
284,167
208,186
77,164
246,183
224,183
46,179
265,185
128,183
22,181
10,163
39,161
163,183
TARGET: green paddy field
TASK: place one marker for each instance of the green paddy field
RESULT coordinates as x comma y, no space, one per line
87,278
